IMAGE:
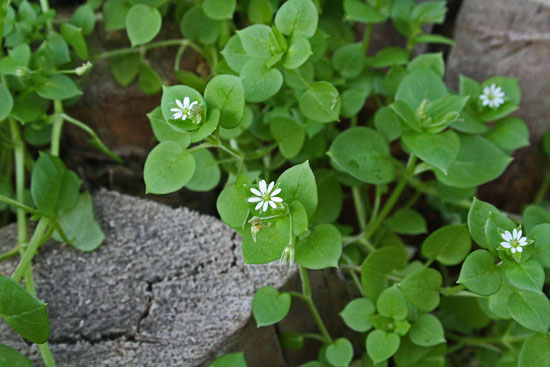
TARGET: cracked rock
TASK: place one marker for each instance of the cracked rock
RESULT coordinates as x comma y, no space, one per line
167,288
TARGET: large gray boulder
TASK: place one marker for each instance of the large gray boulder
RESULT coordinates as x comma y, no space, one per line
509,37
167,288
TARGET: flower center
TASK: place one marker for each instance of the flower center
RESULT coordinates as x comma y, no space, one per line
514,243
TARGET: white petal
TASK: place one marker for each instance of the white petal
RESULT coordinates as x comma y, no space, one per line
523,243
520,232
519,249
275,192
184,117
263,187
256,192
272,204
175,109
486,90
505,244
186,102
259,205
276,199
266,204
270,187
515,233
193,103
177,115
507,236
180,105
254,199
513,249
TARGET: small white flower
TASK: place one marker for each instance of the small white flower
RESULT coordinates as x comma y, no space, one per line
184,109
514,241
492,96
83,69
265,196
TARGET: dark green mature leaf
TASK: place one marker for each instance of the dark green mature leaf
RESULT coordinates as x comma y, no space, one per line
528,275
321,102
260,11
427,331
124,68
114,14
260,82
234,53
84,18
407,221
80,225
420,84
226,92
230,360
54,188
498,303
57,86
11,358
541,235
298,183
340,352
291,340
75,38
269,306
439,150
255,41
377,266
433,61
388,56
509,134
142,24
168,168
392,303
149,81
270,242
349,60
422,288
219,9
479,161
232,205
387,123
289,134
449,245
357,314
534,215
322,249
207,172
24,313
478,215
330,196
480,274
197,26
531,310
6,102
535,351
297,18
363,153
359,11
382,345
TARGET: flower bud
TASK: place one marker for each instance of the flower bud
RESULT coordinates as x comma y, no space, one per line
287,256
83,69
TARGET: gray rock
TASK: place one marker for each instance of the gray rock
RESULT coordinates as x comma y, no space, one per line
167,288
509,37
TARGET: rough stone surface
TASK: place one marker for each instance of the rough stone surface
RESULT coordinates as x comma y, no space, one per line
167,288
509,37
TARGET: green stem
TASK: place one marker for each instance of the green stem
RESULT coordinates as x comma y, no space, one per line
45,6
31,249
57,127
367,37
392,200
145,48
354,276
307,296
47,356
359,207
11,253
19,156
17,204
314,336
541,192
3,11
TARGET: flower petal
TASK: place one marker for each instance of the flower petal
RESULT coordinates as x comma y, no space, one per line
519,249
270,187
177,115
513,249
276,192
263,187
254,199
255,192
175,109
266,204
186,102
272,204
515,233
180,105
276,199
259,205
505,244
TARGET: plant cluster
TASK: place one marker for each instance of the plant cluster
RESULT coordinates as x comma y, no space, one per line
302,120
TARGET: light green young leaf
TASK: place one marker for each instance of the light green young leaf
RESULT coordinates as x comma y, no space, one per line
226,92
299,51
219,9
353,101
269,306
255,41
6,102
289,134
84,18
321,102
340,352
449,245
392,303
74,37
57,86
388,56
360,11
427,331
477,218
232,205
260,82
420,84
387,123
433,61
377,266
298,183
234,53
531,310
142,24
422,288
322,249
382,345
297,18
168,168
11,358
407,221
207,172
357,314
479,273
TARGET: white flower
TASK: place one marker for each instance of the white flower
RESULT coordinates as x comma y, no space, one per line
184,110
492,96
514,241
266,196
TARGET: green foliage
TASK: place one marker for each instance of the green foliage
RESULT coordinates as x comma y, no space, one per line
269,306
11,357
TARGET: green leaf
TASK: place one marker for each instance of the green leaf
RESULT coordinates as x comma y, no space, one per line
54,188
297,18
299,220
340,352
381,345
410,354
433,61
229,360
255,41
535,351
363,153
449,245
226,92
422,288
207,172
299,50
358,11
168,101
23,312
534,215
478,215
322,249
289,134
377,266
197,26
74,37
509,134
55,49
330,196
298,183
407,221
234,53
219,9
531,310
387,123
260,82
492,114
6,102
420,84
510,86
232,205
80,225
57,86
541,235
190,79
291,340
269,306
392,303
168,168
357,314
479,273
427,331
84,18
439,150
114,14
270,242
407,114
388,56
149,81
321,102
349,60
11,358
498,303
353,101
142,24
260,11
207,128
479,161
124,68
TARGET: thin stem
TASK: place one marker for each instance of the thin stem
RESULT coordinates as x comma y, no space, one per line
377,199
392,200
47,356
36,239
367,37
354,276
314,336
306,290
11,253
19,157
359,207
17,204
543,189
57,127
145,48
